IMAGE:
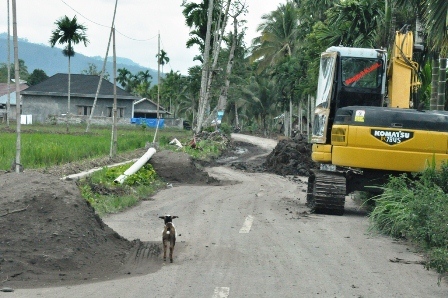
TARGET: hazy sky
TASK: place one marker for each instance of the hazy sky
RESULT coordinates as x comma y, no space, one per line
138,23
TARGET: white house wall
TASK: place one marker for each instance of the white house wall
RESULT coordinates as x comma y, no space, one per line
43,107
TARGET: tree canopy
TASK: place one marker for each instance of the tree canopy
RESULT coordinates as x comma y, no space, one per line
280,67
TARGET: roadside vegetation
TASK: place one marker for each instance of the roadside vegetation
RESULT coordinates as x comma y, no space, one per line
416,209
105,196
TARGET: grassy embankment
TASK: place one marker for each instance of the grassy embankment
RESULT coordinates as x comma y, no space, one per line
417,209
43,146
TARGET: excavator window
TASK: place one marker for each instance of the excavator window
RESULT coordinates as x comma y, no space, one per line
361,72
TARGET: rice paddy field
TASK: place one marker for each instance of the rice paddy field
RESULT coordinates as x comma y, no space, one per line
46,145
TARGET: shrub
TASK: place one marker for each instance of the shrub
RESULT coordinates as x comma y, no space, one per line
417,209
226,129
144,176
209,129
391,213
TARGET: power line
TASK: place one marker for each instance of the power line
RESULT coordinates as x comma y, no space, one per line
83,15
106,26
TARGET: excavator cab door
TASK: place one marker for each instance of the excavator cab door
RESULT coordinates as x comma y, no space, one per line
325,86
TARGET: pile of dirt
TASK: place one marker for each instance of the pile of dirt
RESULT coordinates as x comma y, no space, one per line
290,157
179,168
51,234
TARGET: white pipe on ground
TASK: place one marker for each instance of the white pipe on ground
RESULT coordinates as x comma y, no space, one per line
91,171
176,142
136,166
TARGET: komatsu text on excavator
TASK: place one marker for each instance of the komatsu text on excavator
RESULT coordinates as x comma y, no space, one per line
363,132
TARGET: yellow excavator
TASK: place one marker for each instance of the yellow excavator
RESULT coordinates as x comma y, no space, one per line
364,132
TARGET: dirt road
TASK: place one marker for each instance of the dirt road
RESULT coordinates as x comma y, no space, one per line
252,236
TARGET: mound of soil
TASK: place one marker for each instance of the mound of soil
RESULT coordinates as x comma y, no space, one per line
50,233
290,157
179,168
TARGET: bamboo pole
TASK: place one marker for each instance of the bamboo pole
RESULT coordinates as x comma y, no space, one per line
18,166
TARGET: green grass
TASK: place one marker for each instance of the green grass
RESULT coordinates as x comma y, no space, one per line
47,145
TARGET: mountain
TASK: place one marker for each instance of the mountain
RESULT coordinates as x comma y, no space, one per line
52,61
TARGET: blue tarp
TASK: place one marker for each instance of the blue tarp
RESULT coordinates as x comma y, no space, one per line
150,122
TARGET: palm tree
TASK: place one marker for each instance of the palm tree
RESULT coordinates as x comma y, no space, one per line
162,58
68,32
353,24
123,77
436,19
172,87
259,95
278,37
434,15
196,16
142,82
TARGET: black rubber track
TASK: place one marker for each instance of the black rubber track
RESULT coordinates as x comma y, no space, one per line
326,192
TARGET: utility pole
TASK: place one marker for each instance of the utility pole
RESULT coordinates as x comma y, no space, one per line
113,147
8,102
17,79
102,71
158,79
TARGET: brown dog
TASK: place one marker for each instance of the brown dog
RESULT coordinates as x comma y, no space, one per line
168,235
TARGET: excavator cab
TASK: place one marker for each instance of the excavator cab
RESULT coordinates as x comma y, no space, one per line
347,77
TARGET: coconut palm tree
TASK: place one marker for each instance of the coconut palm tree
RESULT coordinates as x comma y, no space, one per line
434,14
196,17
69,32
279,36
436,19
142,83
259,95
353,23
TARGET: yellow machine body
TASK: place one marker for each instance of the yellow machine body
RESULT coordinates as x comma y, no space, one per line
355,146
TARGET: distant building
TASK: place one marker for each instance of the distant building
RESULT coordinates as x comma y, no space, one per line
47,101
146,108
12,99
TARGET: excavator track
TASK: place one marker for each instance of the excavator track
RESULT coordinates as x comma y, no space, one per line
326,192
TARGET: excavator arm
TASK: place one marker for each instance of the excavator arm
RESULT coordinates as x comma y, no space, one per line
402,72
